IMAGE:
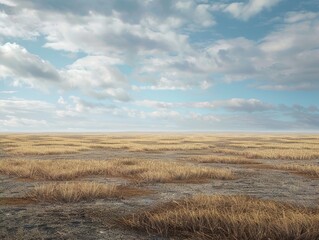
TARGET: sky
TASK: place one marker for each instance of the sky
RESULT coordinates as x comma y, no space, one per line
159,65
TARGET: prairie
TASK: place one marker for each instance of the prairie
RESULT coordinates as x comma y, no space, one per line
166,186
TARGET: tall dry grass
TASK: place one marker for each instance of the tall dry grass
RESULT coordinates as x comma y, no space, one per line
228,217
221,159
70,192
137,170
73,192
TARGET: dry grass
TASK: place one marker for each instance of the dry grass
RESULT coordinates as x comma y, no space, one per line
304,169
252,146
228,217
137,170
264,153
172,172
221,159
68,144
288,154
69,192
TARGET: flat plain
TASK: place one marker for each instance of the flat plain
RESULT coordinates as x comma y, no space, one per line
159,186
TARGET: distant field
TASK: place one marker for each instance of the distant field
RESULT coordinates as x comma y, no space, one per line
176,186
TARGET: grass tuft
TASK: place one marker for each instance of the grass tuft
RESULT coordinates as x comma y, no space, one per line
228,217
70,192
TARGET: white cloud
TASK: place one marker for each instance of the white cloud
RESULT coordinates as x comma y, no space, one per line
61,100
93,75
204,117
9,3
23,115
245,105
285,59
245,11
155,104
233,104
26,24
14,122
240,114
23,67
17,105
96,77
8,92
294,17
96,34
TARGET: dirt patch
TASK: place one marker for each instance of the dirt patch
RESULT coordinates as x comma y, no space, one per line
16,201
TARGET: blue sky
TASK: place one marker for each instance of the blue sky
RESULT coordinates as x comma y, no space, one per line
159,65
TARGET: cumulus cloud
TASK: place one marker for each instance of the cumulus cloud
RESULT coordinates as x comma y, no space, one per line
25,24
155,40
97,34
93,75
138,27
285,59
120,46
23,67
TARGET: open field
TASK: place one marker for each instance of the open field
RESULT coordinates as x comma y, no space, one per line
159,186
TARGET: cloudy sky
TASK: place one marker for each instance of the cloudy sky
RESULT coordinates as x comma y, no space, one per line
158,65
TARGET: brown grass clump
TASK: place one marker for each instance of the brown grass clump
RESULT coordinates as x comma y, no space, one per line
81,191
221,159
137,170
172,172
287,154
228,217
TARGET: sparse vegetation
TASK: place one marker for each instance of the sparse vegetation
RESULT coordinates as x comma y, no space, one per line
137,170
304,169
78,168
80,191
248,146
228,217
221,159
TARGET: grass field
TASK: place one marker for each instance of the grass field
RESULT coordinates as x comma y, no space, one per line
175,186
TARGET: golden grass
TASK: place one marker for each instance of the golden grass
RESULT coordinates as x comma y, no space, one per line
304,169
69,192
262,153
44,150
288,154
221,159
254,146
137,170
228,217
68,144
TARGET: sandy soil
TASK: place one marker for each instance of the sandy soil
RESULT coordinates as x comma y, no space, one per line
23,219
